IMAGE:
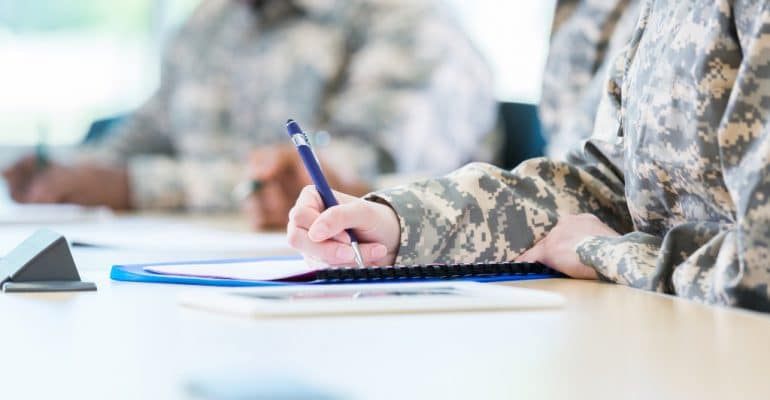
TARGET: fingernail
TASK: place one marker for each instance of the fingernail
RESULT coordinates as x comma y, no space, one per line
379,251
345,253
319,231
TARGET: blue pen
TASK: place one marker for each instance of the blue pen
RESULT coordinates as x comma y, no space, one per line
319,180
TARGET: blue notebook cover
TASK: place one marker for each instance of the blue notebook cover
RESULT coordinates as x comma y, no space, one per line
137,273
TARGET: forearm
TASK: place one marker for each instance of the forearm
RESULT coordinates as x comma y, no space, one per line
481,213
702,261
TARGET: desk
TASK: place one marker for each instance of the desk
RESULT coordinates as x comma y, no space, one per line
133,341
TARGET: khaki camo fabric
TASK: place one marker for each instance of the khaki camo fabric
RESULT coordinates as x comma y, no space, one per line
678,164
395,83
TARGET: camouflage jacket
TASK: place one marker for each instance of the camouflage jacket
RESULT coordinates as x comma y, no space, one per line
678,164
384,77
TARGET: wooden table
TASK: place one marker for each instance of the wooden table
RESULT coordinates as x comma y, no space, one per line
134,341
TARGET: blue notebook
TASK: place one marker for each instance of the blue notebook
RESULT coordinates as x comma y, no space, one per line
291,270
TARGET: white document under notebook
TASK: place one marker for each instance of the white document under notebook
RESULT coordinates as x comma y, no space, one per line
261,270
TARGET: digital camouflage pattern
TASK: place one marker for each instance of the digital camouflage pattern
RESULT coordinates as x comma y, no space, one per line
678,165
585,36
385,77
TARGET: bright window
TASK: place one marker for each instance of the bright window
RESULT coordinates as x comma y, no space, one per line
68,62
513,36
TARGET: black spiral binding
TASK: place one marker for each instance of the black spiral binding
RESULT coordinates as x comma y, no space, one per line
431,271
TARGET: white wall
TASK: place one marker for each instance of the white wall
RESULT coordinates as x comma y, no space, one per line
513,35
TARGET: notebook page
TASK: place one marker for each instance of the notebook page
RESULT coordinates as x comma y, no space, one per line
263,270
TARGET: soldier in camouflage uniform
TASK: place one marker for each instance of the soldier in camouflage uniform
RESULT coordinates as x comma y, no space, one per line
669,195
376,74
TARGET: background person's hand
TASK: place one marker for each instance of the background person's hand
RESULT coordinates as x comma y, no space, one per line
282,175
558,248
19,175
320,234
89,185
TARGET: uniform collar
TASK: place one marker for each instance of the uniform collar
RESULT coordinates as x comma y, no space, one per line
275,10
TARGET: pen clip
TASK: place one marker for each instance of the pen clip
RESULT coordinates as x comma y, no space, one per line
301,139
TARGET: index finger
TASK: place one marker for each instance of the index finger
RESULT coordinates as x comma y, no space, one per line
309,198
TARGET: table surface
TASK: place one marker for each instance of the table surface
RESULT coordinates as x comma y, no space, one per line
131,340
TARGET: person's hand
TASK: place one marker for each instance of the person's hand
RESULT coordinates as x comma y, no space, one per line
282,175
558,248
19,175
320,235
89,185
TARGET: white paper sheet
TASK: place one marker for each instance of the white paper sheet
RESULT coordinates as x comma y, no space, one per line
251,271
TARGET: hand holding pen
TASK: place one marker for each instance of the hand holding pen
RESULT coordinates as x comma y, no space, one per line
320,233
324,229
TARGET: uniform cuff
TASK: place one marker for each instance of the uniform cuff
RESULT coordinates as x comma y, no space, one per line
406,205
629,259
155,183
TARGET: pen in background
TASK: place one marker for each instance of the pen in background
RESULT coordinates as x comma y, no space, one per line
42,160
319,180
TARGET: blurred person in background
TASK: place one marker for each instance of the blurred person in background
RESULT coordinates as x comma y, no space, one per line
396,83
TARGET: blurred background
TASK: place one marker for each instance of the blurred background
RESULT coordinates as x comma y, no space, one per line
66,63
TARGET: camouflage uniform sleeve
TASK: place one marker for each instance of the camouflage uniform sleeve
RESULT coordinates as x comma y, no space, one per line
715,262
415,88
161,182
481,213
162,179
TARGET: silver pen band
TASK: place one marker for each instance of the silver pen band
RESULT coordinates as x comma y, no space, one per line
357,254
